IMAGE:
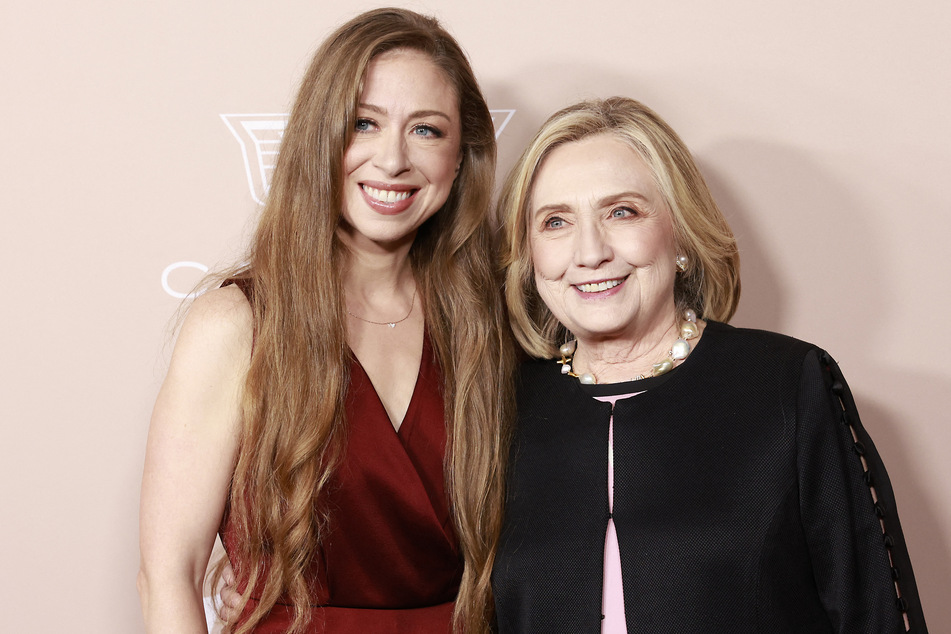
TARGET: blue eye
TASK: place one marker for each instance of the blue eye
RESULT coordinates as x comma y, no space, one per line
427,131
554,223
622,212
363,125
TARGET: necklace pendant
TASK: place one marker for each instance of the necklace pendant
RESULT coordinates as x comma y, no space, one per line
391,325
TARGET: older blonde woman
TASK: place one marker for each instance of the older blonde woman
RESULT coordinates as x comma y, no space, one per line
670,473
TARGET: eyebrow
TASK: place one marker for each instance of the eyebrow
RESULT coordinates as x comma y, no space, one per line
418,114
604,201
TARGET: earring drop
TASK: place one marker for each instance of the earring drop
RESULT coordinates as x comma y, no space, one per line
681,262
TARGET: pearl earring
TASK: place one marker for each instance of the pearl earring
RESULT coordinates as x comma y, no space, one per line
681,262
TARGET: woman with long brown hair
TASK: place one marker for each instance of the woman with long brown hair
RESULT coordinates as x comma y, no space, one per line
334,410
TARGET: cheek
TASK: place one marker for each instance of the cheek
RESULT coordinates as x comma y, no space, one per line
668,241
352,158
442,166
545,260
654,248
553,297
545,290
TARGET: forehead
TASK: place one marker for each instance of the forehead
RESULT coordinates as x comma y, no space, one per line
409,78
596,166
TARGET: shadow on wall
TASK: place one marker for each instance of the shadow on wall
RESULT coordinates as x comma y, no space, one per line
930,546
807,249
771,194
812,257
763,293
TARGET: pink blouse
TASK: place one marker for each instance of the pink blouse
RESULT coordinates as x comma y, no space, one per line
612,596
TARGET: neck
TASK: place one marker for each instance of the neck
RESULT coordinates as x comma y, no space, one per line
371,276
379,287
373,268
620,359
363,248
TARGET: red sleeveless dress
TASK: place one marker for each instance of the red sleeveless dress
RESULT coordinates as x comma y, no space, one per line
391,562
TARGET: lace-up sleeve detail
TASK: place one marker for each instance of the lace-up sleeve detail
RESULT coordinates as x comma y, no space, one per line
860,560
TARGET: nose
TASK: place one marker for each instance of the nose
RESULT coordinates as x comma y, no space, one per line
391,154
591,246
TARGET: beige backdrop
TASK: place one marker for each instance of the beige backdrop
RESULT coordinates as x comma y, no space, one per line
821,127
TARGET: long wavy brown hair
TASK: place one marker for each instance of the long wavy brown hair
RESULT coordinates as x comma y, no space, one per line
293,412
711,282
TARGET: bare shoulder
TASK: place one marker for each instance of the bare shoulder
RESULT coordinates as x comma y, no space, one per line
223,309
211,358
220,324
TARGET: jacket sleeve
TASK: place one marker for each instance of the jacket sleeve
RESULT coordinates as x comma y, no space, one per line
849,516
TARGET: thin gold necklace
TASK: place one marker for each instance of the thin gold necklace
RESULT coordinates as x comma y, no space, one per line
391,324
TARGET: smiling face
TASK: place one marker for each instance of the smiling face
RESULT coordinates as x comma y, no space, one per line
406,150
602,241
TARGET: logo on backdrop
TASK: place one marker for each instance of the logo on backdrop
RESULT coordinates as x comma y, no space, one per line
181,265
259,136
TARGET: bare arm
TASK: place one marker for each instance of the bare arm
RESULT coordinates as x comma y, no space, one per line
190,457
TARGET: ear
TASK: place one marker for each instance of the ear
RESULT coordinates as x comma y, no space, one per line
459,161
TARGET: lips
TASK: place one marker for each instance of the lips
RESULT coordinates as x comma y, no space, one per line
600,287
388,199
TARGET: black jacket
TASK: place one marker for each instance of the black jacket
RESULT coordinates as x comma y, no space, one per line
742,502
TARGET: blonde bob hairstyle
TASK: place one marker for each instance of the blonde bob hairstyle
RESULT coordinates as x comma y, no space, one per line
711,283
294,420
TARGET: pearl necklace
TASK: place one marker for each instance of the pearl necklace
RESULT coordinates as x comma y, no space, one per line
391,324
678,352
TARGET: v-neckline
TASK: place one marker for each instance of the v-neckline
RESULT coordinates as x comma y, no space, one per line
414,397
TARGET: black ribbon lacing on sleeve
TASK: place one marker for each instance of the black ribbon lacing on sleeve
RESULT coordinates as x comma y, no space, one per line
843,397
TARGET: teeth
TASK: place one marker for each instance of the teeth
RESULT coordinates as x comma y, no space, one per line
386,195
598,287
